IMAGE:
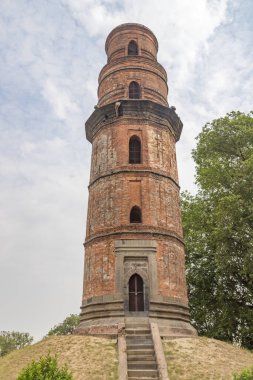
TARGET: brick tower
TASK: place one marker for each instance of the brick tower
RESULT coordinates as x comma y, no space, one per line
134,251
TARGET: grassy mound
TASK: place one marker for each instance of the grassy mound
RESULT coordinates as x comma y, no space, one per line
204,359
91,358
88,358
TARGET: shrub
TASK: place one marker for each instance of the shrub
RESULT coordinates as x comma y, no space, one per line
46,368
247,374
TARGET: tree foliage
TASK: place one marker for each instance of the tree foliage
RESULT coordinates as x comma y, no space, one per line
66,327
13,340
46,368
218,230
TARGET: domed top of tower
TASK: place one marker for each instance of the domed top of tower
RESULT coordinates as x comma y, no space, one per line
131,39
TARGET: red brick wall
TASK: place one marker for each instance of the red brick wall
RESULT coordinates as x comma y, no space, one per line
116,186
122,69
119,38
171,269
115,78
111,199
112,196
99,277
110,148
99,269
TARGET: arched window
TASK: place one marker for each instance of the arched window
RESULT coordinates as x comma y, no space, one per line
134,91
132,48
134,150
136,293
135,215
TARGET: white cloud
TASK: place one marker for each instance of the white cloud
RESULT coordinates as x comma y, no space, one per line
60,100
94,15
182,28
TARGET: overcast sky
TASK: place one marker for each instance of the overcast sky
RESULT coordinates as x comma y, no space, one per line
50,58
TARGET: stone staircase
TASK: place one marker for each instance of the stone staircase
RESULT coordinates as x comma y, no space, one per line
141,359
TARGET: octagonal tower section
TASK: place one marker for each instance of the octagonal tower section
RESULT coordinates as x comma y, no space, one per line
134,251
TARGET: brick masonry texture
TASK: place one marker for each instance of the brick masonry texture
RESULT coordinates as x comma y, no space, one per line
110,149
100,268
117,42
111,200
116,77
116,185
122,69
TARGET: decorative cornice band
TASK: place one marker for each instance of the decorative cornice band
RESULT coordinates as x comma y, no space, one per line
132,68
125,232
127,27
134,171
135,108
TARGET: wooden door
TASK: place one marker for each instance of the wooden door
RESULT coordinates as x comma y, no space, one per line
136,296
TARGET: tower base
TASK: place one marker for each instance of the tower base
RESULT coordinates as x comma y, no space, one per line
172,319
104,314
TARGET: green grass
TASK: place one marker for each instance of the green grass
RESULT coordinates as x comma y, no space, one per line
87,357
201,358
91,358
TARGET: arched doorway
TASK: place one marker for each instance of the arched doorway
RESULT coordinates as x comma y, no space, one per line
136,294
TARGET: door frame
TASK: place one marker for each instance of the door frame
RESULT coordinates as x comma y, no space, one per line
138,303
146,294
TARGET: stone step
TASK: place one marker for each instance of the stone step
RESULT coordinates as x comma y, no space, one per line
133,338
138,331
131,342
140,374
142,378
142,365
139,336
140,346
140,357
139,352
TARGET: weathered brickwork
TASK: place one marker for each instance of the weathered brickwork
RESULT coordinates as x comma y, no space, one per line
99,274
110,149
117,247
111,199
171,269
115,79
122,69
117,42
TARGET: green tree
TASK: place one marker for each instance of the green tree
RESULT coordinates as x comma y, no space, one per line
66,327
218,230
13,340
46,368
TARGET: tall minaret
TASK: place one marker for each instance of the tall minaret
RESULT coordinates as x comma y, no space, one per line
134,250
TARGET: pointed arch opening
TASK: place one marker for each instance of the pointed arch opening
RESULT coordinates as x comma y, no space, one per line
134,90
134,150
135,215
136,293
132,48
